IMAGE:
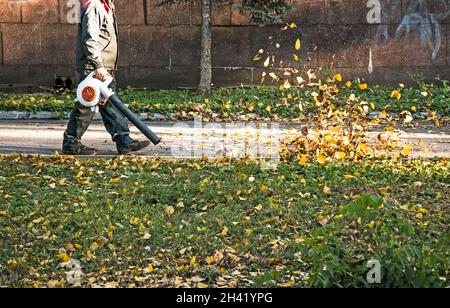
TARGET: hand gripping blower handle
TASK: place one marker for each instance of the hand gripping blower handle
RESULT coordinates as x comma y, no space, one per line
91,91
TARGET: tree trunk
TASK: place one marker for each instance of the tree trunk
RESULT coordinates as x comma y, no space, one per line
205,62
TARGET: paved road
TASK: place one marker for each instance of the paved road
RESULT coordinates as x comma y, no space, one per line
188,139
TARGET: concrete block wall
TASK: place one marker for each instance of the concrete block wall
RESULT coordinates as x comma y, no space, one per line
159,46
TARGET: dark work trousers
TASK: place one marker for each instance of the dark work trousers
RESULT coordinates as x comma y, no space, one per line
80,118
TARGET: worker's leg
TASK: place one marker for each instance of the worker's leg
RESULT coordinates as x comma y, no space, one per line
115,123
79,121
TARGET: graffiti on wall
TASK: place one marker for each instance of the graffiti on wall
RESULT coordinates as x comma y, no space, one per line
422,17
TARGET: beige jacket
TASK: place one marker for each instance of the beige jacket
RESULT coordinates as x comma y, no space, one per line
97,36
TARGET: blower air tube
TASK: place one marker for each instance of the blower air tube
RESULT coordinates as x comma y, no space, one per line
135,120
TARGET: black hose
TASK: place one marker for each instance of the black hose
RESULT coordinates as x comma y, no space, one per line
134,119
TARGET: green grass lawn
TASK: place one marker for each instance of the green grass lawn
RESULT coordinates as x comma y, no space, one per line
246,103
138,222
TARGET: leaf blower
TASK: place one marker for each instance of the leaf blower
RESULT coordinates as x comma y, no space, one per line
91,91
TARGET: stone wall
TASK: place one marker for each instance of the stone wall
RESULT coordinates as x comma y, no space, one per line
159,46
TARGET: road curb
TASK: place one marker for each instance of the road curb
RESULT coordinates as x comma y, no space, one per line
46,115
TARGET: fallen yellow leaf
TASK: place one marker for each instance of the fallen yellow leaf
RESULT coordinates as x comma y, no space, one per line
134,220
321,220
197,166
383,190
321,159
210,260
64,256
406,150
170,210
303,160
396,95
340,155
298,44
53,283
193,261
224,232
423,211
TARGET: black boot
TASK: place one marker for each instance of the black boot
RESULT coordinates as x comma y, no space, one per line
133,147
80,150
